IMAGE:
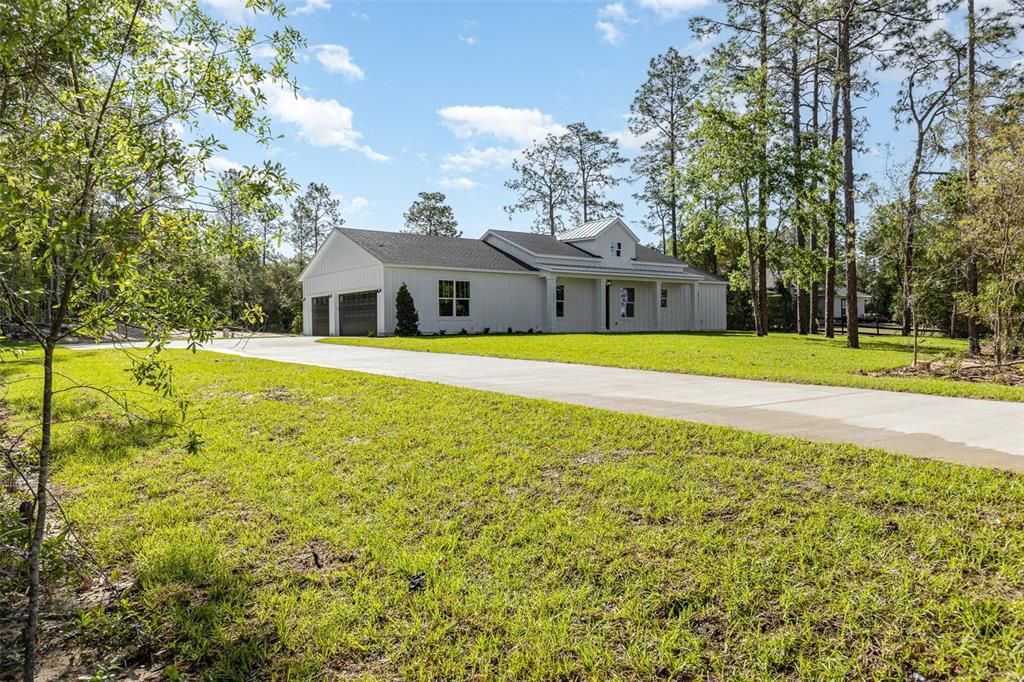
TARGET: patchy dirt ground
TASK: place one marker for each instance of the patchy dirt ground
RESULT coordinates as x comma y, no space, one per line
975,370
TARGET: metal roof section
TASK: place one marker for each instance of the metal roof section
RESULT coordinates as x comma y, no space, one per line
592,229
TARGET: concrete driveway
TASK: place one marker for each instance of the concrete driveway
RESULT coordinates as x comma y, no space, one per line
979,432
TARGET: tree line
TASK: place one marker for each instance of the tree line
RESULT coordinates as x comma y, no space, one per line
747,164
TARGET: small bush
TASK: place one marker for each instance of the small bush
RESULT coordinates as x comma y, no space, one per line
297,324
463,332
487,330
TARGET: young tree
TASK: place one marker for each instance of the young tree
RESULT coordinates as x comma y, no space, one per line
544,185
663,111
989,34
933,65
97,188
405,312
594,156
314,215
429,214
994,229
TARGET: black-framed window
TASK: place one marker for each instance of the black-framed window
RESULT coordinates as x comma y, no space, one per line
627,302
616,248
452,298
664,298
560,300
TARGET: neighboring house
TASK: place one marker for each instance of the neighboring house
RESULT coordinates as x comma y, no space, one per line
593,278
839,303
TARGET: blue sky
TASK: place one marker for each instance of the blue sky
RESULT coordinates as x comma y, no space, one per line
398,98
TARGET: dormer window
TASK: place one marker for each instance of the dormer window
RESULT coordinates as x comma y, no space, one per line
617,249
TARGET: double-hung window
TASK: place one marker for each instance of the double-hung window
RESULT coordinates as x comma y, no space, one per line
452,298
560,300
627,302
616,248
664,298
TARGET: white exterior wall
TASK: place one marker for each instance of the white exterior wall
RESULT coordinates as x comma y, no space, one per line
644,309
711,307
676,316
341,267
496,300
580,305
840,301
601,246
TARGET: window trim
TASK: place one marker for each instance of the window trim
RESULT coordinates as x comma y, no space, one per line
559,300
663,298
454,299
616,249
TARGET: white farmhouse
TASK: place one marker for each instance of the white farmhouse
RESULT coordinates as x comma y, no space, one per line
594,278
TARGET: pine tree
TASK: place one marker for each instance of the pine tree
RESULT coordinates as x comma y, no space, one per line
405,311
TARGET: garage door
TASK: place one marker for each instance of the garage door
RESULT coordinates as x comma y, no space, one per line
321,315
358,313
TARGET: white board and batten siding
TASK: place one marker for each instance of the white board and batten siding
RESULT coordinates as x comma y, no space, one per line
342,269
579,305
497,300
711,306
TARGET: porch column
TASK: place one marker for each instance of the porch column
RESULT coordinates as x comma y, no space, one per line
550,281
332,316
599,305
657,306
693,307
307,316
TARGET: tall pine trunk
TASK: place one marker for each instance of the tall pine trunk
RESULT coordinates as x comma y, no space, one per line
802,325
849,217
812,303
762,183
833,219
973,343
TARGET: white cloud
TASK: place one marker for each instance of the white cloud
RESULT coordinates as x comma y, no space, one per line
472,41
610,33
456,183
357,204
361,16
264,51
615,12
336,59
218,164
234,10
320,122
472,159
629,141
670,9
310,6
520,125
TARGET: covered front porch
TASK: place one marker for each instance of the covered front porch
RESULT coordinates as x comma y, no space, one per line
601,304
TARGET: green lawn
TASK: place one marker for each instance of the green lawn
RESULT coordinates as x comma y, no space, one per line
544,541
779,357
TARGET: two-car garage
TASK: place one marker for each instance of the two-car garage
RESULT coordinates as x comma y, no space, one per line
357,314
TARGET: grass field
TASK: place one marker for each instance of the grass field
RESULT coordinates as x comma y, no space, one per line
779,357
350,526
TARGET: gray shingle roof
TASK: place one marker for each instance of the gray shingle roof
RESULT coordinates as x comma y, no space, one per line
543,244
400,248
645,254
